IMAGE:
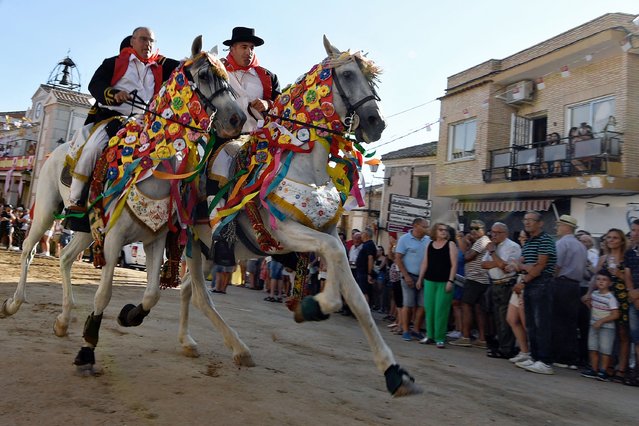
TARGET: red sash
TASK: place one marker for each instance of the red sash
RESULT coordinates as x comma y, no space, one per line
262,74
122,64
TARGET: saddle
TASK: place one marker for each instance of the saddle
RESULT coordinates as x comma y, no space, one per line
82,224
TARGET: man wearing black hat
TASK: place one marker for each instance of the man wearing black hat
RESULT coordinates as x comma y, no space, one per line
256,87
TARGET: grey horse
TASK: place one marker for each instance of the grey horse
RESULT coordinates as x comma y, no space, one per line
353,94
210,80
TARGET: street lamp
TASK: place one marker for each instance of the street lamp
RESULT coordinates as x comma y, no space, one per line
373,163
627,44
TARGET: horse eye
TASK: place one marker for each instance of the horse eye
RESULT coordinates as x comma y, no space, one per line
204,76
347,74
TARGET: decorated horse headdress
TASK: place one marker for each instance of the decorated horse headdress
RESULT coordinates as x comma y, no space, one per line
175,132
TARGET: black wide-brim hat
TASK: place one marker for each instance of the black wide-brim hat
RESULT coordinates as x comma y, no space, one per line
244,34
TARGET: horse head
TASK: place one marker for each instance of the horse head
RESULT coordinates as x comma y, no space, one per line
210,81
354,77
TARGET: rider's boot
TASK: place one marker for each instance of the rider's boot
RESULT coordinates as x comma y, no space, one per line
77,196
76,212
223,247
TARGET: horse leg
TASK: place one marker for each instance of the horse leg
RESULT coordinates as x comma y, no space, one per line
202,300
189,345
300,238
303,239
42,221
79,242
85,359
130,315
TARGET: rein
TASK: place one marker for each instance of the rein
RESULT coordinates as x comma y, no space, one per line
311,126
137,101
350,108
351,111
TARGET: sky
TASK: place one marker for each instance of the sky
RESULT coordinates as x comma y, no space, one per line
419,44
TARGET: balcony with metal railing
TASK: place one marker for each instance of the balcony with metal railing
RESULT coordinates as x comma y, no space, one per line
547,160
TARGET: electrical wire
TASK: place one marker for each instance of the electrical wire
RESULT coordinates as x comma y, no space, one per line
412,108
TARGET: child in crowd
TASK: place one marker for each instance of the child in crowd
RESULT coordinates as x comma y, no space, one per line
604,311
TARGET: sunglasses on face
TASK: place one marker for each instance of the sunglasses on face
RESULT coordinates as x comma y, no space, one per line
475,228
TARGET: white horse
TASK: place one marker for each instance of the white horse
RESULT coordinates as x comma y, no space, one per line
208,82
353,94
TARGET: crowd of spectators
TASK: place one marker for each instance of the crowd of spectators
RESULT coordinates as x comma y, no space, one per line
14,227
539,301
14,224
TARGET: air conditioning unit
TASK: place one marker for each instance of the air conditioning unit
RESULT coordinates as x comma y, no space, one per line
520,92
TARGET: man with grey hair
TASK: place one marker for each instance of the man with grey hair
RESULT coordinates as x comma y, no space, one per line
476,285
501,251
137,69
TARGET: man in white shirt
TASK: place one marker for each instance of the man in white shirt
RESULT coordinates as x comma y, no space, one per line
138,68
255,86
500,252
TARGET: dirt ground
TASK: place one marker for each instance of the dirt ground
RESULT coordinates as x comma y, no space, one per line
306,374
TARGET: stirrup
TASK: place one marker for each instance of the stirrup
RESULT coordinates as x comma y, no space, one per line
74,208
76,218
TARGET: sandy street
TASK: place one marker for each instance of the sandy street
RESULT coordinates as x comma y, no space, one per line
308,374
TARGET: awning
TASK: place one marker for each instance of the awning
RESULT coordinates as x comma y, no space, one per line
501,206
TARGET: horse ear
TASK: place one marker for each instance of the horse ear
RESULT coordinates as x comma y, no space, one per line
196,47
214,50
330,49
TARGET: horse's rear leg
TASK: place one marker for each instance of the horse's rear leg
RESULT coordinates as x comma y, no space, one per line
43,219
189,345
241,353
79,242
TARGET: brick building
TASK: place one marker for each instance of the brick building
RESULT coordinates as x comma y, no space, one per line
495,158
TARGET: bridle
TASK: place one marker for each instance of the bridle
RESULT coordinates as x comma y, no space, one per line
351,110
224,87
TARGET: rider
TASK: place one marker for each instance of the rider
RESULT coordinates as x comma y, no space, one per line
137,68
256,88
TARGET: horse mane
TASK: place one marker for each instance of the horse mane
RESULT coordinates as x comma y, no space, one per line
369,68
218,66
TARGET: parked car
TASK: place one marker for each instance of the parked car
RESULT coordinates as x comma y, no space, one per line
133,256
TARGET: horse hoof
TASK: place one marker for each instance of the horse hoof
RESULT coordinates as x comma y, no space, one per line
190,352
88,370
311,310
400,383
58,329
4,313
131,315
85,357
244,359
122,318
407,389
298,315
